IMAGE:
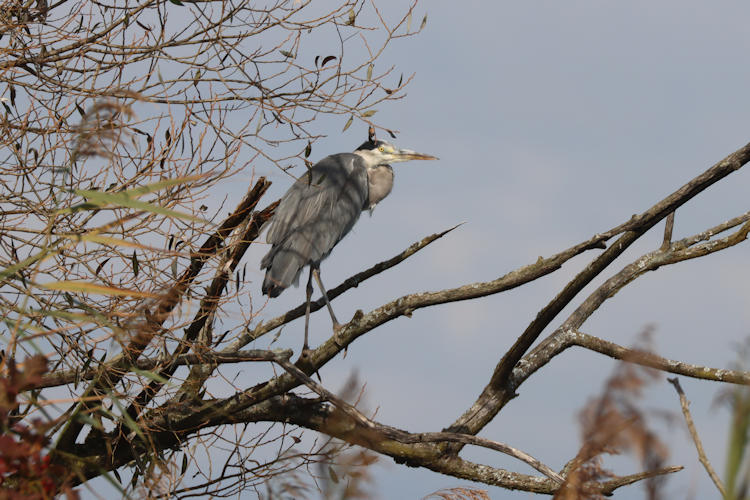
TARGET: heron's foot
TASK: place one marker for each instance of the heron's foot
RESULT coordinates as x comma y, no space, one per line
337,327
305,354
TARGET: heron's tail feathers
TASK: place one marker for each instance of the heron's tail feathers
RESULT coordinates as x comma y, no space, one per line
270,288
283,268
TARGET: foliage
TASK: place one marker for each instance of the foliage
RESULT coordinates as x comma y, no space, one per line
26,472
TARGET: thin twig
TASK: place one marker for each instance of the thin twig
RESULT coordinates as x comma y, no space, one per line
668,227
684,403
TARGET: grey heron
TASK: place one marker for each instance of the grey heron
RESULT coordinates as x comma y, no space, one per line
320,208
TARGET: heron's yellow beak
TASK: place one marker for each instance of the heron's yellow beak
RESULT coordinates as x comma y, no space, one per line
406,154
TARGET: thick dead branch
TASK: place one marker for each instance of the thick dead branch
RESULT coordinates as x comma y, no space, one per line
679,251
495,395
404,447
207,307
204,358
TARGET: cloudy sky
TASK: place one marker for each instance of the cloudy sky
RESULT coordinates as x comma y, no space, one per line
553,121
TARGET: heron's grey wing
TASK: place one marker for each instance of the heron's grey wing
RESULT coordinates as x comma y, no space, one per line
317,211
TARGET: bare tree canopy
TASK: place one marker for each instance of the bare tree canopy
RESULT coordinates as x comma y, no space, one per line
136,348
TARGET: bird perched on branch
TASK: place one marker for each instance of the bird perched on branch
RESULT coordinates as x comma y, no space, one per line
321,208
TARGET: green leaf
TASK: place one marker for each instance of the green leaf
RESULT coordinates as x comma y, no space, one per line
308,149
369,113
369,72
184,464
424,23
286,53
352,18
99,199
104,240
177,2
348,123
11,270
126,418
334,476
149,375
88,420
87,287
136,266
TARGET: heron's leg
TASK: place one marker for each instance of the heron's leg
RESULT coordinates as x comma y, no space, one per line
336,324
308,291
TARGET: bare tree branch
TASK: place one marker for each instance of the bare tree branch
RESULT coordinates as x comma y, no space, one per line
685,405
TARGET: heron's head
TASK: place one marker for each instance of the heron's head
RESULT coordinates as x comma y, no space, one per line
382,153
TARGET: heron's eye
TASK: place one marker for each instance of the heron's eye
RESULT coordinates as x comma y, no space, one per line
382,149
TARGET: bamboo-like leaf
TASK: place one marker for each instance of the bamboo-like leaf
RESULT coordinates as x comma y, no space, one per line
424,23
348,123
11,270
136,265
99,199
369,113
101,266
114,483
86,287
126,418
106,240
408,22
149,375
334,476
369,72
158,186
90,421
61,314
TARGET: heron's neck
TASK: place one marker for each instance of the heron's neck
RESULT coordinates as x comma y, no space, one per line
379,184
371,159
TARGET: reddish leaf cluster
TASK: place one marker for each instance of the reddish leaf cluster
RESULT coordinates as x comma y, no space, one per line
613,423
26,472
